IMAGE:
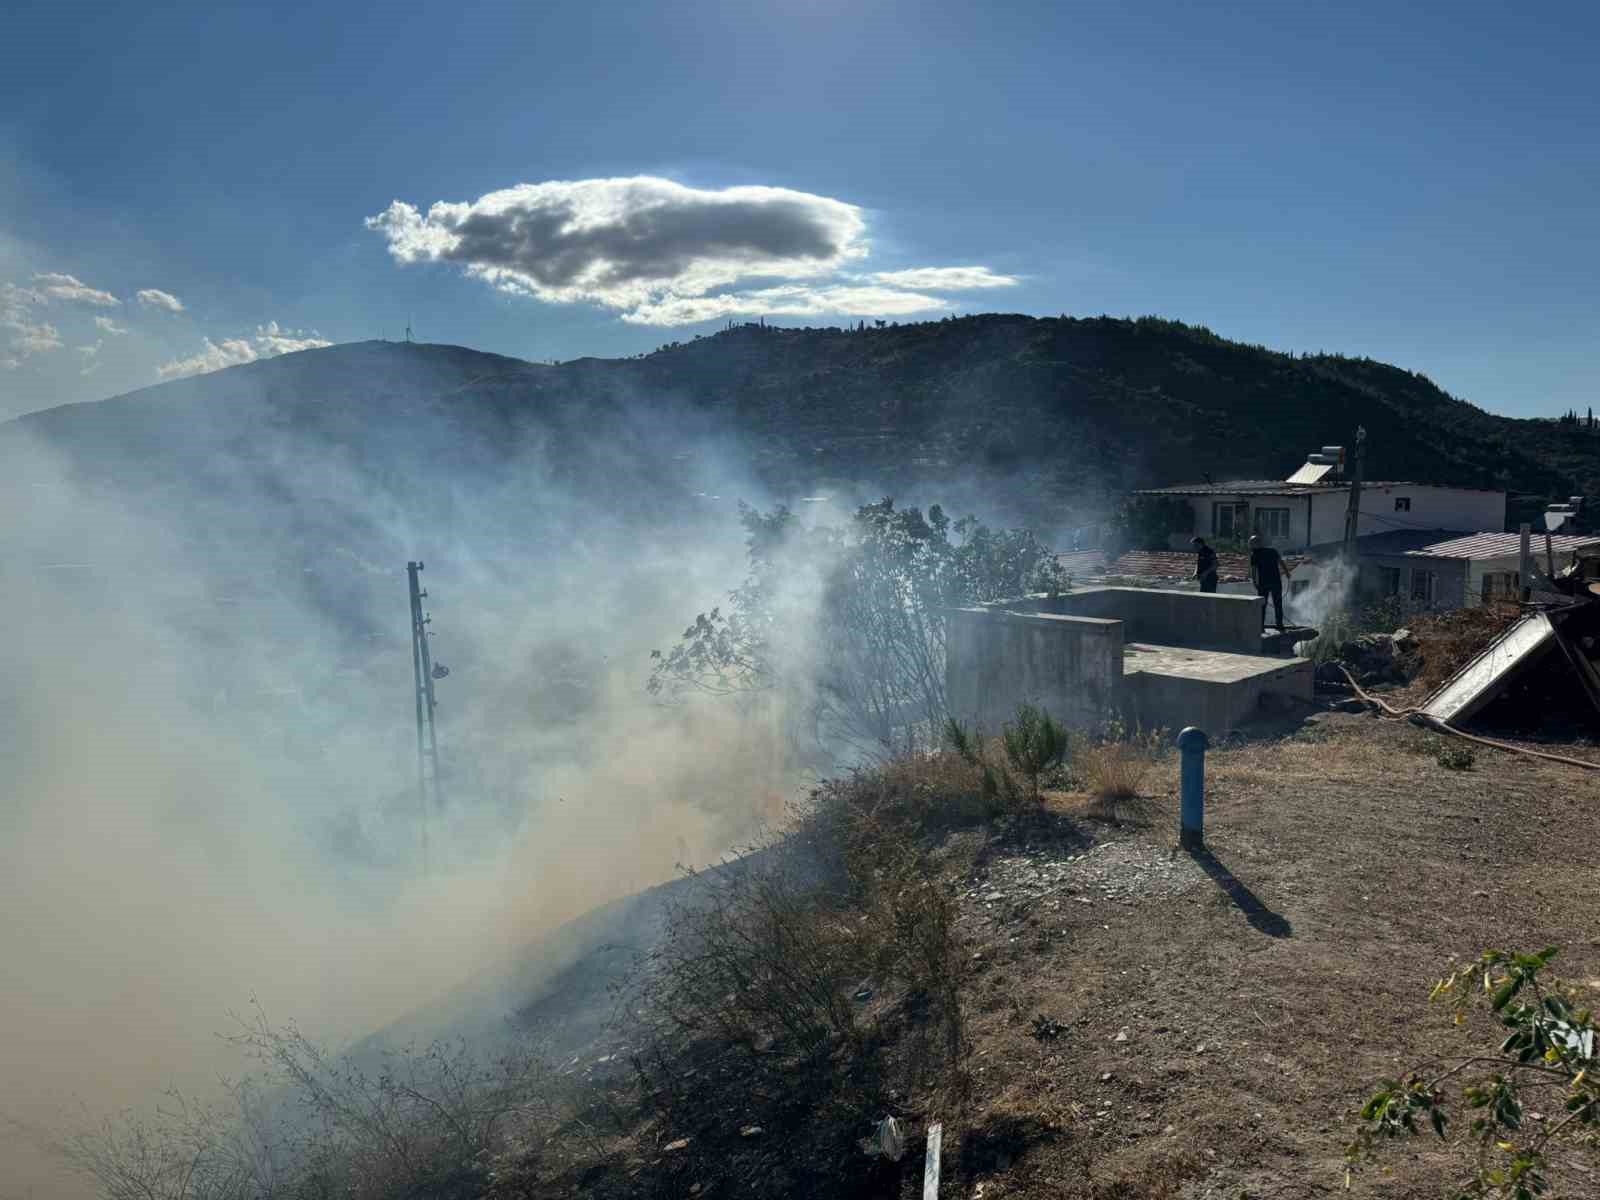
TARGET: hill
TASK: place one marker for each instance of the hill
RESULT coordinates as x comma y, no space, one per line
1043,420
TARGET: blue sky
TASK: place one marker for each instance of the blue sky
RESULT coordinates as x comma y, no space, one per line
1415,183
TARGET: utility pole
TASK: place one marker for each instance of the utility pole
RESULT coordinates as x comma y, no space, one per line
1352,517
424,673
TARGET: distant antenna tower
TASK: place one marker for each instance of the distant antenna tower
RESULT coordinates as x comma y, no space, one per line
424,672
408,331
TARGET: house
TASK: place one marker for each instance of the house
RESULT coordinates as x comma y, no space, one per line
1309,508
1444,569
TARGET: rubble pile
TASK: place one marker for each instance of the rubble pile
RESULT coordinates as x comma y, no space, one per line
1373,658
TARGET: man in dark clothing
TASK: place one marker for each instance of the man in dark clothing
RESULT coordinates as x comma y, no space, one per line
1266,572
1205,567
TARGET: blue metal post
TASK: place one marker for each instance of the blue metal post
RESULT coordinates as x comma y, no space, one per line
1192,745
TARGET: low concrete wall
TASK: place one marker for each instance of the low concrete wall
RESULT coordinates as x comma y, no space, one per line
1164,615
995,659
1161,701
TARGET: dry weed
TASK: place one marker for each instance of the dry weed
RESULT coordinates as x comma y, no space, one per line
1447,641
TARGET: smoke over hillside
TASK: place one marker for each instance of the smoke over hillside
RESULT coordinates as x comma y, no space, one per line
207,721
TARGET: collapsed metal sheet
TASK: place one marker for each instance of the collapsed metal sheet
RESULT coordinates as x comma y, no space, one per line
1516,647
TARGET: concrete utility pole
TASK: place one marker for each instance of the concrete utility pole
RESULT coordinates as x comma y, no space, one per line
1352,517
423,673
1525,564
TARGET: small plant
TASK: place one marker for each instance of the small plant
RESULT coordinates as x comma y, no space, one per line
1456,758
1034,743
998,789
1112,767
1547,1058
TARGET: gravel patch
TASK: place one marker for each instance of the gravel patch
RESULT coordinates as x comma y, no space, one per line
1120,872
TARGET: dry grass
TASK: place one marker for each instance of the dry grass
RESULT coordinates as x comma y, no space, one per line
1447,641
1114,771
1262,1001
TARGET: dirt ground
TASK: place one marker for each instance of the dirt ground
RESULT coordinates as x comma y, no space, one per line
1204,1026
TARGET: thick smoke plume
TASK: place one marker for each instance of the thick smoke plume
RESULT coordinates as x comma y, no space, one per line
206,726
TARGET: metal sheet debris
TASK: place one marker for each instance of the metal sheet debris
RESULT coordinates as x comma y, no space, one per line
1520,644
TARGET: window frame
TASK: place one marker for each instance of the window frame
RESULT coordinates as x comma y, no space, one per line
1276,534
1233,508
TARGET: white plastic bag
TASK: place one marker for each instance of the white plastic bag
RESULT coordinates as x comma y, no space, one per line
885,1140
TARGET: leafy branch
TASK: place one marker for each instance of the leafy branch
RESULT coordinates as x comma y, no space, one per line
1550,1044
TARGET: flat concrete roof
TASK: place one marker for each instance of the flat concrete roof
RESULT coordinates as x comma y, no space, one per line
1217,666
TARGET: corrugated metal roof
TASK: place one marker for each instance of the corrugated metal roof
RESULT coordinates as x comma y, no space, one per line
1277,487
1253,487
1444,543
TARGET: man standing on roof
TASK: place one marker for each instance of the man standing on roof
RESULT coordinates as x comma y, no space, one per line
1205,567
1267,572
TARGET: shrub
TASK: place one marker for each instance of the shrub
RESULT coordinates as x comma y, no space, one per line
1034,743
999,791
415,1120
804,970
1456,757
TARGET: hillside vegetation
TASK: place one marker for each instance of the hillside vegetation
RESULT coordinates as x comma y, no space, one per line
1036,420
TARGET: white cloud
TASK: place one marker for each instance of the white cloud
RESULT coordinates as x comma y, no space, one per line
661,253
949,279
269,342
26,336
787,301
628,243
91,350
156,298
107,325
68,287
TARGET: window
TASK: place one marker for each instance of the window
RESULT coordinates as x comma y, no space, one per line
1229,519
1273,523
1499,585
1402,504
1388,581
1421,586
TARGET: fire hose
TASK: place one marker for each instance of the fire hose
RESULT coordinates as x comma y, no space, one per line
1417,716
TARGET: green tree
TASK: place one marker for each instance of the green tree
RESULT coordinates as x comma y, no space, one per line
849,623
1147,522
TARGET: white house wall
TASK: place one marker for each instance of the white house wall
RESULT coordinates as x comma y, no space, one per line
1317,518
1456,509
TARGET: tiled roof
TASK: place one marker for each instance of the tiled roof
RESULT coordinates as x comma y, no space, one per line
1153,564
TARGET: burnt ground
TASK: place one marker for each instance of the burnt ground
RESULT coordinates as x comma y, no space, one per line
1147,1024
1216,1019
